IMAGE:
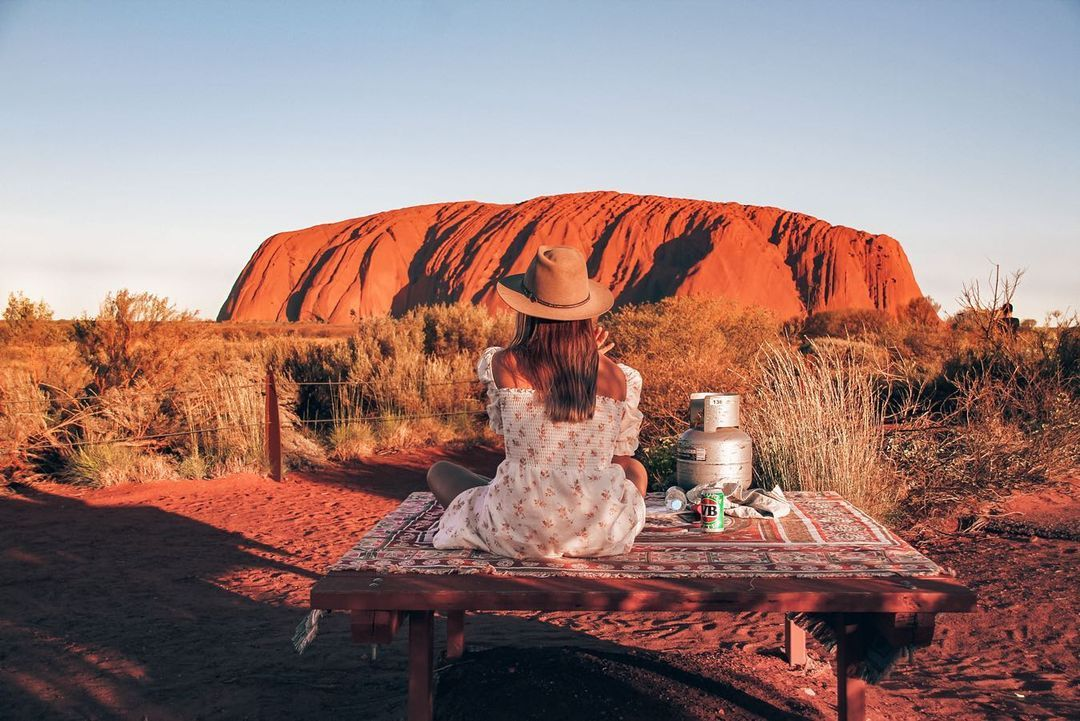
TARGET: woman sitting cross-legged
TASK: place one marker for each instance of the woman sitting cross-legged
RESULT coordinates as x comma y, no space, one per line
569,485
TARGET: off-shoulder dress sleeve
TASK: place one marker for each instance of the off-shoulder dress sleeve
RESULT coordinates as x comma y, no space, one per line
485,374
627,442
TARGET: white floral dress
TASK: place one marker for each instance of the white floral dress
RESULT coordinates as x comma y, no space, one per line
557,493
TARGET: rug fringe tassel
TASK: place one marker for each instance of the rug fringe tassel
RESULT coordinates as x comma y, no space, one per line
881,656
307,629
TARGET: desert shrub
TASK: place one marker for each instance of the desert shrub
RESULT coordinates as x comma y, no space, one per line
395,380
39,371
28,321
917,336
685,345
364,378
981,448
22,312
816,421
55,369
1068,355
193,397
1001,418
681,346
1002,412
851,323
921,311
24,409
459,328
869,357
925,341
39,387
224,421
135,335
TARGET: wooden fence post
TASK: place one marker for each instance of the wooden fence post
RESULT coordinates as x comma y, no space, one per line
273,425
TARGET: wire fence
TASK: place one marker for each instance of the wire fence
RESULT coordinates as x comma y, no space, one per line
136,440
345,420
69,431
66,432
382,383
46,399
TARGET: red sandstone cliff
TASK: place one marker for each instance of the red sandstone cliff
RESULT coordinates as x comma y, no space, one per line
644,247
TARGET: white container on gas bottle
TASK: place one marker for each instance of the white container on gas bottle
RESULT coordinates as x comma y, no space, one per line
715,449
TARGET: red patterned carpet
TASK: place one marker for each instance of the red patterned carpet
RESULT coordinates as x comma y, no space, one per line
823,537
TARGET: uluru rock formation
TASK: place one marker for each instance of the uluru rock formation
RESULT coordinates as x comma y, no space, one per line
645,247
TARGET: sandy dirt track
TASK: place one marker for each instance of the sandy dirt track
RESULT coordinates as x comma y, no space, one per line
176,600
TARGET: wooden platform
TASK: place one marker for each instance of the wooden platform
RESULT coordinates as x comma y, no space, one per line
903,609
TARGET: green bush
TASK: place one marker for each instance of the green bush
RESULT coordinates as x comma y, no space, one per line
110,464
857,323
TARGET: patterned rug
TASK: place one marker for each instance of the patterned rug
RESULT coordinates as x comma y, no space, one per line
823,537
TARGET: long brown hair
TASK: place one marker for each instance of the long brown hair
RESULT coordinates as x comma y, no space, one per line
560,359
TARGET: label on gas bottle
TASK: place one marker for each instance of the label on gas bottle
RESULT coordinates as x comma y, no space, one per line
687,451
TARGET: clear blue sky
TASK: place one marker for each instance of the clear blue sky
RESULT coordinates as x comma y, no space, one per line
154,145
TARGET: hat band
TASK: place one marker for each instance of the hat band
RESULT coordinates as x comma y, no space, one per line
532,297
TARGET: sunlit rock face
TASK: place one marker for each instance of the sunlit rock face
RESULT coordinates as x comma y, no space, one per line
645,247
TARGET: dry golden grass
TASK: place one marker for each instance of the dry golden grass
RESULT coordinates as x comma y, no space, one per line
224,422
817,423
141,392
110,464
685,345
1009,420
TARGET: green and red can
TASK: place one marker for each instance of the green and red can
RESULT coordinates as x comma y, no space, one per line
711,508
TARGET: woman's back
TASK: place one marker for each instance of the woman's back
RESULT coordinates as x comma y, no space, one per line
610,376
533,439
557,493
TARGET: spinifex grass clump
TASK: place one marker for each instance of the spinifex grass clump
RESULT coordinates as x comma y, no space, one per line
109,464
817,424
224,424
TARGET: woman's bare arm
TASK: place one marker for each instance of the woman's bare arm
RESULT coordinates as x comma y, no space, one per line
635,471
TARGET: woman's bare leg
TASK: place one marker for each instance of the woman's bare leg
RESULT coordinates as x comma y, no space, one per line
635,471
446,480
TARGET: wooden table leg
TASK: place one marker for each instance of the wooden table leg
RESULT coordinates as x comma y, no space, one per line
455,634
850,690
794,643
421,648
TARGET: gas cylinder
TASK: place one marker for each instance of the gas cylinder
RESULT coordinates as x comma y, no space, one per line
715,449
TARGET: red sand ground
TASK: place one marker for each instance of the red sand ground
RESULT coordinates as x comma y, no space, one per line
176,600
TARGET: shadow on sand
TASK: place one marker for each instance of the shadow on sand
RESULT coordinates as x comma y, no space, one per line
542,672
395,476
136,612
124,612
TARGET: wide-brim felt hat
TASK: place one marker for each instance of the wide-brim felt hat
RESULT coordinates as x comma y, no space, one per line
556,286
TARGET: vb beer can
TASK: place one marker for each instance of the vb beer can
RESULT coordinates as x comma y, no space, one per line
712,511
